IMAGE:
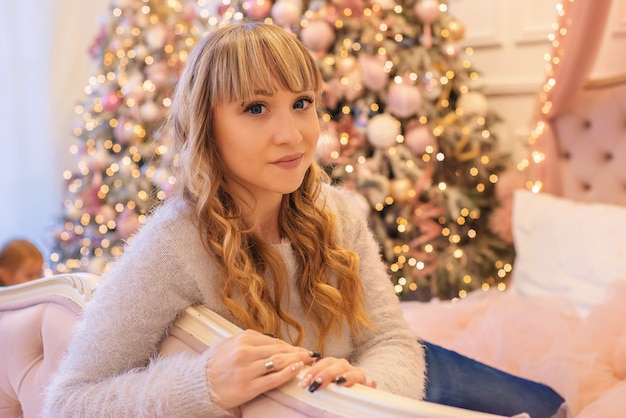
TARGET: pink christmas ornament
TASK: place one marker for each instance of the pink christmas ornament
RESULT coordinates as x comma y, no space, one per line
375,77
403,99
318,36
286,13
382,130
427,11
473,103
111,102
418,139
257,9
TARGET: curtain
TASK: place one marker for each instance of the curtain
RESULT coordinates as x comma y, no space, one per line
45,67
578,34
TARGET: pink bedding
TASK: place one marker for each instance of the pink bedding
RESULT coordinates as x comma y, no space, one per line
542,339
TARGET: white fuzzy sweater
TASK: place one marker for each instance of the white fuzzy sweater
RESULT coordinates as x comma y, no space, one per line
112,368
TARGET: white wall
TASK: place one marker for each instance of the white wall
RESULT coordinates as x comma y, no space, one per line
45,66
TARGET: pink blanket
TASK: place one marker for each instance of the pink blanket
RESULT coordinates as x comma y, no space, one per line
542,339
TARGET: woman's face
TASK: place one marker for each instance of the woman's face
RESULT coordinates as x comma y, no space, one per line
269,141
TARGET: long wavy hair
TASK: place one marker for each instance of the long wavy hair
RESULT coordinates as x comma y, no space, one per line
228,65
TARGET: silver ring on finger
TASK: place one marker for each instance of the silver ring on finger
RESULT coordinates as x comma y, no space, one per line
269,364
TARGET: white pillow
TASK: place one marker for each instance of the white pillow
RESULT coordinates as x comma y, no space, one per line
567,248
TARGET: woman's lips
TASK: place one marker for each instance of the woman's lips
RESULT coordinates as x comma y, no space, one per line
289,161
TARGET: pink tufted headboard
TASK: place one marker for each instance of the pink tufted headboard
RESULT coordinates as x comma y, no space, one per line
591,145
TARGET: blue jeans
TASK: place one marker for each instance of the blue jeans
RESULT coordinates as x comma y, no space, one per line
456,380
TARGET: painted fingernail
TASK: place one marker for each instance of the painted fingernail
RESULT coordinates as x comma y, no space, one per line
340,379
297,366
315,385
306,380
315,354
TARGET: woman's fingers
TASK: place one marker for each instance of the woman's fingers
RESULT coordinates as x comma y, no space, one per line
332,370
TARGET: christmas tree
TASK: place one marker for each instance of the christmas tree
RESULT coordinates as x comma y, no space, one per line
138,56
402,126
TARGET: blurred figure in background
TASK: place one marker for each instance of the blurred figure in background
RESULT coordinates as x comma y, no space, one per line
20,262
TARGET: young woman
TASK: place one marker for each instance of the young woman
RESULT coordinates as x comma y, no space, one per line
257,234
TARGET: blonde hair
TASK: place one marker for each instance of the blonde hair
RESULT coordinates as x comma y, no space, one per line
229,65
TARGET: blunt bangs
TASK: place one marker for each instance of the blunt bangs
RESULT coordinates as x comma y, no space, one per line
253,57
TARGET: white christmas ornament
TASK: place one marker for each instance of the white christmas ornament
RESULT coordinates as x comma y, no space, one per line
382,130
150,111
474,103
403,100
155,37
327,145
286,12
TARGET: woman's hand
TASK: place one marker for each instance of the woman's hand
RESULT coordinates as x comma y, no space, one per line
245,365
333,370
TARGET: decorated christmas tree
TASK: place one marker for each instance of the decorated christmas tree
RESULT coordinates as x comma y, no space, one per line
403,126
137,57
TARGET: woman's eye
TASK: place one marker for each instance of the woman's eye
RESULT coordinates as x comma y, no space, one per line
255,109
303,103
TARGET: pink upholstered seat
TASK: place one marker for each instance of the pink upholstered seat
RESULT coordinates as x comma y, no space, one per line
36,322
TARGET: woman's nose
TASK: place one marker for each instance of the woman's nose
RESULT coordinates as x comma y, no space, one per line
287,128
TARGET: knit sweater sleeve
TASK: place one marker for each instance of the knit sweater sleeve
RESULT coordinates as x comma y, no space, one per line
389,353
112,367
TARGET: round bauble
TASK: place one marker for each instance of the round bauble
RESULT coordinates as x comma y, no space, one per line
419,139
373,72
426,11
286,12
111,101
318,36
257,9
155,37
456,29
382,130
403,99
400,189
328,147
473,103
